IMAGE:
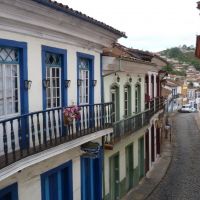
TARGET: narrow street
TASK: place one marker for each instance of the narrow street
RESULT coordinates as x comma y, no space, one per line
182,181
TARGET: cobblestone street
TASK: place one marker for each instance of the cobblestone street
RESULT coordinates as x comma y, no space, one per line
182,181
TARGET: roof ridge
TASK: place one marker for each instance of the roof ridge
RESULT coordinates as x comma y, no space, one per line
65,8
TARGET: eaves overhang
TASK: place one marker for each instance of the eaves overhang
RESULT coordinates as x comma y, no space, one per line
65,9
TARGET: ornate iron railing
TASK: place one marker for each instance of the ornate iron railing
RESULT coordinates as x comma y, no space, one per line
131,124
37,131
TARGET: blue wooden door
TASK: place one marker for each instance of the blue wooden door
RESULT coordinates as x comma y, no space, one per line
91,178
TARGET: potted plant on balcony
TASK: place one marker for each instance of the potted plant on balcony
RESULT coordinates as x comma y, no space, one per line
70,114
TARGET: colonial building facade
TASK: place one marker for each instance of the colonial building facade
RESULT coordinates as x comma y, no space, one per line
65,101
132,82
50,58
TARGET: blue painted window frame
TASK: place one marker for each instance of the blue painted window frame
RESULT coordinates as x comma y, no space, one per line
23,66
54,173
13,189
63,53
91,69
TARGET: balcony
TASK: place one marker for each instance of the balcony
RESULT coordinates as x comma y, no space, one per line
35,132
132,124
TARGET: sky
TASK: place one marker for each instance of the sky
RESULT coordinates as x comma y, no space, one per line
152,25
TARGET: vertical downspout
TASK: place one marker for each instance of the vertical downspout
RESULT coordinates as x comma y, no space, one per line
102,101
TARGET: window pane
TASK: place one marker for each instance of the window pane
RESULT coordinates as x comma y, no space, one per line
54,91
9,106
1,107
9,88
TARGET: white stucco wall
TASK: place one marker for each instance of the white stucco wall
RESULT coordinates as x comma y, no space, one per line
120,148
29,182
111,79
35,68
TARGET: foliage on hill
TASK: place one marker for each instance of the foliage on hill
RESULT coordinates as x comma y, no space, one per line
183,54
170,70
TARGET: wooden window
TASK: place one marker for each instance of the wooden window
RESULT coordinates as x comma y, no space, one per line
84,75
9,82
53,74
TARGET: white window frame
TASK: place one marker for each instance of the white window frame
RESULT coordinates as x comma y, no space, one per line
51,87
84,76
114,93
84,90
126,101
4,87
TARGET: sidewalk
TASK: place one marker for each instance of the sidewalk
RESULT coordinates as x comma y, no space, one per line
153,178
197,118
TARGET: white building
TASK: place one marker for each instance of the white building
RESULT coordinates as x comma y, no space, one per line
131,82
58,50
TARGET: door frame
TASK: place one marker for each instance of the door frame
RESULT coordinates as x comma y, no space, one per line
98,176
91,75
13,189
147,150
111,186
129,184
141,163
152,143
63,53
138,90
117,106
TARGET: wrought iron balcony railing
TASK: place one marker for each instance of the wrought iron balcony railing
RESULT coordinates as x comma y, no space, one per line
37,131
131,124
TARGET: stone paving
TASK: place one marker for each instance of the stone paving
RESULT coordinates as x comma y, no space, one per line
182,180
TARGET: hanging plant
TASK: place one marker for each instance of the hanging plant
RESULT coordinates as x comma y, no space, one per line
70,114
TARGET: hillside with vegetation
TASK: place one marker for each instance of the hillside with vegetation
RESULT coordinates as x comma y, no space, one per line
184,55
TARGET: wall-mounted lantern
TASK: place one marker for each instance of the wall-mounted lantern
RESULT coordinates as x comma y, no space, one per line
118,78
139,78
79,82
27,84
46,83
94,82
67,83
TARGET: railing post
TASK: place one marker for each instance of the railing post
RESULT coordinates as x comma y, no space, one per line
33,133
39,131
5,143
13,140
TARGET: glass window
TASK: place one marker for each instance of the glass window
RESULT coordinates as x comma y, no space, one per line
9,89
126,97
53,74
84,75
137,98
114,101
